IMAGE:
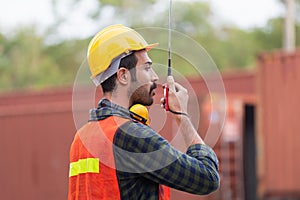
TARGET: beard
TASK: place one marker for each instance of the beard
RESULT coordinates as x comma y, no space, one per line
140,94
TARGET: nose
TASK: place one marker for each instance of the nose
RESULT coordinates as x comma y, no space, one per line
154,77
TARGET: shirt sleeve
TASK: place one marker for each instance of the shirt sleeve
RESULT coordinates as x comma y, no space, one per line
140,150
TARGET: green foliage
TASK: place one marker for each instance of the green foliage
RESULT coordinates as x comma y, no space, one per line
29,60
134,11
192,18
125,3
233,48
26,62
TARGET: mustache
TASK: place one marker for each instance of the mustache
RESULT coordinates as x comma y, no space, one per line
153,86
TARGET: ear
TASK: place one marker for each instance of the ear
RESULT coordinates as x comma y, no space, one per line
123,76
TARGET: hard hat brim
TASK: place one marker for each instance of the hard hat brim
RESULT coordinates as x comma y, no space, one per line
151,46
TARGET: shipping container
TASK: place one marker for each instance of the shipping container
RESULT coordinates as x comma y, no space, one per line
278,117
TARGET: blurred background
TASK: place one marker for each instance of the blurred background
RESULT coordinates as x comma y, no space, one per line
253,43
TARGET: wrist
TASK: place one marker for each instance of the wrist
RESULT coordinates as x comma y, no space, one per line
179,113
181,117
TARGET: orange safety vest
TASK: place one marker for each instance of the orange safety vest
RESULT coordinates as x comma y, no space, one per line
92,174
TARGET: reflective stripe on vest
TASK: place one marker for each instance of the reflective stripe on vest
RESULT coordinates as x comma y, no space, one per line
83,166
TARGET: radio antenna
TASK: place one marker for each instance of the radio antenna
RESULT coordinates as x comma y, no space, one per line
166,87
170,39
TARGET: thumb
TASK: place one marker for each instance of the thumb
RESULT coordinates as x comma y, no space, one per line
171,84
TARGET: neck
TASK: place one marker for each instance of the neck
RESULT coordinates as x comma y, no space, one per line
117,99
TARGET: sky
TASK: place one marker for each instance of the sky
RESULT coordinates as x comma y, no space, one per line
14,13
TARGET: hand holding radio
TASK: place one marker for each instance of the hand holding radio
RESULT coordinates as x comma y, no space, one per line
175,97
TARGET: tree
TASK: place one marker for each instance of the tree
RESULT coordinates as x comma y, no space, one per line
29,59
27,62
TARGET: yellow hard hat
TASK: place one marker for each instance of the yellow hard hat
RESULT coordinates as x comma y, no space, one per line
110,45
140,113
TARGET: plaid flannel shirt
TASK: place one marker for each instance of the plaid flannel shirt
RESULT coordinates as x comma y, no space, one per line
144,160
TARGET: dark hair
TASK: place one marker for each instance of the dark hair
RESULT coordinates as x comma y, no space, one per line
128,62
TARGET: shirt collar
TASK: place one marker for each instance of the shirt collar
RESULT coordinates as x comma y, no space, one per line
106,109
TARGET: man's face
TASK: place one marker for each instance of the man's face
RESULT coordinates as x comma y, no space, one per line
142,90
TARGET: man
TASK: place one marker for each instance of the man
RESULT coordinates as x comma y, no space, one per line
113,156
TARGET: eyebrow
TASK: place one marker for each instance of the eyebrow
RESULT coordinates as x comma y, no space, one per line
148,63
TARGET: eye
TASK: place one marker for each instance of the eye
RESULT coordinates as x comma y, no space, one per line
147,67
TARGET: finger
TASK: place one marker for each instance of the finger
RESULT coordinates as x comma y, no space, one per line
171,84
180,88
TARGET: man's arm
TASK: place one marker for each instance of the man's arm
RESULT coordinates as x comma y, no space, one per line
140,150
178,100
